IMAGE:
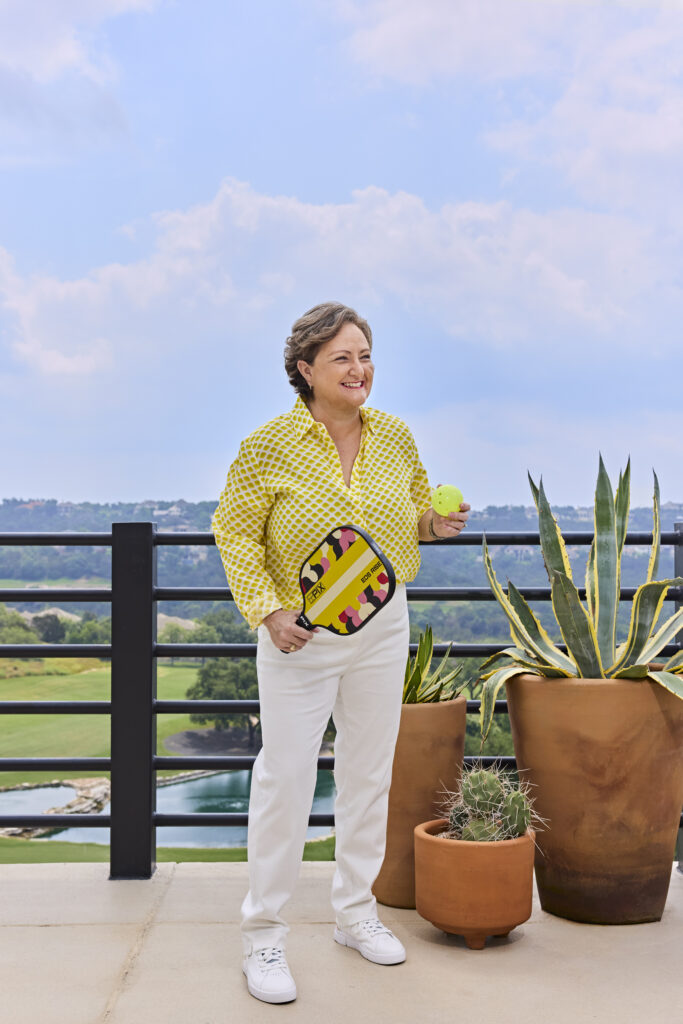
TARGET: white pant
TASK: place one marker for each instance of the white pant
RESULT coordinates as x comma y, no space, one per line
359,680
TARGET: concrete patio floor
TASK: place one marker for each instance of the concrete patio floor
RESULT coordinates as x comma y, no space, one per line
76,948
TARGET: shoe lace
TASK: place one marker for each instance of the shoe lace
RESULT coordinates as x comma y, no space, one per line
271,958
373,926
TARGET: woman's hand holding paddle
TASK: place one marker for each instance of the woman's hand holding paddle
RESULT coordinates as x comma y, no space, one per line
284,632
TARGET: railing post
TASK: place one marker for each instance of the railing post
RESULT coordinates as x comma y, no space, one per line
678,568
678,571
133,690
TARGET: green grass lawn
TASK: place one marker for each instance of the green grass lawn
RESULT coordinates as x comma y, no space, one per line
22,667
88,736
36,851
78,735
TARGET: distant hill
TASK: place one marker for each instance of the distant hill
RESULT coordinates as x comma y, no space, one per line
200,566
49,515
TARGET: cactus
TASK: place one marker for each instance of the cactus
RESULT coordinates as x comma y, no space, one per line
515,813
482,830
482,790
458,817
490,806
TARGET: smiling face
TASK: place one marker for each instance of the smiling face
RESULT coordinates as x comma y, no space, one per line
341,372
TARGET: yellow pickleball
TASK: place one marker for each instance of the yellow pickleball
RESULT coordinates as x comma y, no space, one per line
446,498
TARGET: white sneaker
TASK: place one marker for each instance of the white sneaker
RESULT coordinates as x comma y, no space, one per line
373,940
268,976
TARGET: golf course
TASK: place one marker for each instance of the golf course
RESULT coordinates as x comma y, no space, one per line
88,736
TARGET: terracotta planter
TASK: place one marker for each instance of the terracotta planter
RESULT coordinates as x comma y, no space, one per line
473,889
428,757
606,758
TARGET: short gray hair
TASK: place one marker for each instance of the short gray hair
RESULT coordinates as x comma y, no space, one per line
312,330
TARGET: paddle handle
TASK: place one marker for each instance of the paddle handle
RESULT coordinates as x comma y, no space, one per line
305,623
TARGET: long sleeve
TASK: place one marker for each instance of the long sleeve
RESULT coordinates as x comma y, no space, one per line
238,525
284,492
420,491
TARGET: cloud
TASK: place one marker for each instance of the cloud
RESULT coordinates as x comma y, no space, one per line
616,129
181,350
56,76
485,273
593,91
44,40
493,40
490,463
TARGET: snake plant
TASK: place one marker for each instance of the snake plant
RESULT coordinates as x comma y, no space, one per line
589,631
421,688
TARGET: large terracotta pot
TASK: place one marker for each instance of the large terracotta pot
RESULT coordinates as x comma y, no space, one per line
428,758
473,889
606,758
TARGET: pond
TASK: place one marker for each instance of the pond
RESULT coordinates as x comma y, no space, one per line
225,792
35,801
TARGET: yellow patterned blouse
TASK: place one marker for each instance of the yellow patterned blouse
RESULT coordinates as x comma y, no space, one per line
285,491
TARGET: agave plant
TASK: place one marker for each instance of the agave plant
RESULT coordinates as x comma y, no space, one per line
589,631
421,688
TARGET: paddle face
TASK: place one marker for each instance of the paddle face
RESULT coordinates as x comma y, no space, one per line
345,582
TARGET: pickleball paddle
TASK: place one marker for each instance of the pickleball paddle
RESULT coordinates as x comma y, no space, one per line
345,582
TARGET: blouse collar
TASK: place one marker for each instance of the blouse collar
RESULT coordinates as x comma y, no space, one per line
304,422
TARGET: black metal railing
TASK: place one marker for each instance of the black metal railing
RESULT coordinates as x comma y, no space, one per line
134,705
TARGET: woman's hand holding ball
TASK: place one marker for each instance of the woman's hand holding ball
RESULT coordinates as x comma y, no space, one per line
449,512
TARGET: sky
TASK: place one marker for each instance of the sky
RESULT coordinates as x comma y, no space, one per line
494,184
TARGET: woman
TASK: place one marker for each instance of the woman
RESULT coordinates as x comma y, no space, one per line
328,462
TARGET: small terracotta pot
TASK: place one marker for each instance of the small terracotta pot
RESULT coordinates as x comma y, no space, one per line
605,757
428,757
473,889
